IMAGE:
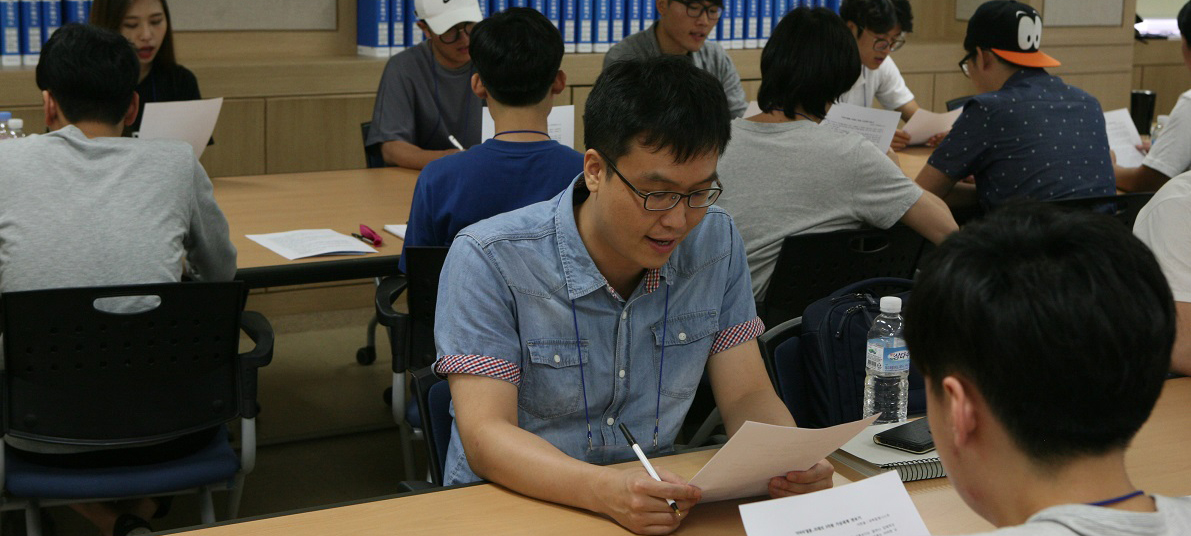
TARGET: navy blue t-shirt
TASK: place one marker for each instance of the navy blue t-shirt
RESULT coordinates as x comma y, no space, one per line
487,179
1035,138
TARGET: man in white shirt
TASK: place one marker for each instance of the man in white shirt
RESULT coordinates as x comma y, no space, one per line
1164,224
880,26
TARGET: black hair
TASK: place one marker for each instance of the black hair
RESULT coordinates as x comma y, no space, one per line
1062,320
517,53
878,16
90,71
1185,21
810,60
663,103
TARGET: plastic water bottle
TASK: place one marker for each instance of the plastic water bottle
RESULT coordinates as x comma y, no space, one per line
887,365
5,117
16,127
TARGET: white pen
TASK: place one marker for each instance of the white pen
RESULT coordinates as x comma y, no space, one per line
645,461
455,142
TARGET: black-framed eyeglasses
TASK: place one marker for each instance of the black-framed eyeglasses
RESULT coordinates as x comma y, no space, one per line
886,45
695,10
452,35
662,201
963,64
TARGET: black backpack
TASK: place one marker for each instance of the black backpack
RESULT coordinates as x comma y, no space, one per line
821,372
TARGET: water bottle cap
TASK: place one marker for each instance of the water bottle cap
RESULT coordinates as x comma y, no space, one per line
5,116
16,124
891,304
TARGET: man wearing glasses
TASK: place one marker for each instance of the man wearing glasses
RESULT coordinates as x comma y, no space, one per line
558,322
879,26
682,29
425,108
1028,135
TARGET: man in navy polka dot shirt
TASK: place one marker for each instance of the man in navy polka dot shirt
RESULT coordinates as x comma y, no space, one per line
1028,135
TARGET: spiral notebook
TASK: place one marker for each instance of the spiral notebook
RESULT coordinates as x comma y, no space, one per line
869,459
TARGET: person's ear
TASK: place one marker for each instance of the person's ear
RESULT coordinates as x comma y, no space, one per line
133,108
477,87
661,6
852,27
593,167
50,107
560,83
425,30
961,403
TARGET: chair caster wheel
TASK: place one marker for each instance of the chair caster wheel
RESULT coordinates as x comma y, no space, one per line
366,355
387,396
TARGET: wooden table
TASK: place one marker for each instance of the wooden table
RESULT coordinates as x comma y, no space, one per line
338,200
1157,461
913,159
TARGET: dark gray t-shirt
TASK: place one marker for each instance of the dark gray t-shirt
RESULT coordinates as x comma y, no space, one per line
421,102
1172,518
710,58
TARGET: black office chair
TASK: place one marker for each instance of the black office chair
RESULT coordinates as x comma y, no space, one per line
779,349
433,396
811,266
1124,207
957,103
372,154
77,374
366,355
411,335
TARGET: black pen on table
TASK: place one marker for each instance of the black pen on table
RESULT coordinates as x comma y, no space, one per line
645,461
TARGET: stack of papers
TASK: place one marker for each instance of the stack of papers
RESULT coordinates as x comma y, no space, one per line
876,125
925,123
871,507
311,243
1123,138
189,121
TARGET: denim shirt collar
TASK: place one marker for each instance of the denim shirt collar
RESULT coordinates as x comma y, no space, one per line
582,275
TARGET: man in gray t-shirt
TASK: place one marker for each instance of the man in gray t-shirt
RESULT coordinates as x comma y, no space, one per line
425,105
682,29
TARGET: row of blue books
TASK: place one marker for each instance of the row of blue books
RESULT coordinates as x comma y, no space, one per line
386,27
26,24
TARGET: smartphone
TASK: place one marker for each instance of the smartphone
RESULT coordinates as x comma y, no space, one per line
913,437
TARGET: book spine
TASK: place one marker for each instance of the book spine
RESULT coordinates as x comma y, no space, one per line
73,11
51,18
30,31
538,5
752,23
397,26
618,23
586,23
766,24
10,34
499,5
649,13
372,28
634,16
413,34
570,33
717,33
739,16
603,25
87,9
554,13
832,5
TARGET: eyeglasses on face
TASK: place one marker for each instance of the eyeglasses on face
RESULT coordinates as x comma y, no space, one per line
695,10
881,44
452,35
662,201
963,64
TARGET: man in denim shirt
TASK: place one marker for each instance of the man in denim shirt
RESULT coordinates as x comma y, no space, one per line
1029,135
556,321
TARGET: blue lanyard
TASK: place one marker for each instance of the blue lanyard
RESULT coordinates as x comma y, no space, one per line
657,416
498,134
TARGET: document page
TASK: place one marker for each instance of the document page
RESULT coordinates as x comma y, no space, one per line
1123,137
875,506
925,123
876,125
311,243
397,229
189,121
561,125
758,452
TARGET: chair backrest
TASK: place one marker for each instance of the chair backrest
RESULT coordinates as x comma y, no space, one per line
1123,207
434,404
957,103
779,350
423,264
372,155
811,266
79,374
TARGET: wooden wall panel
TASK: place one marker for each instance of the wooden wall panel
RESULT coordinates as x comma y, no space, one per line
239,140
923,88
950,86
315,133
1111,89
240,45
579,99
751,87
1168,81
33,116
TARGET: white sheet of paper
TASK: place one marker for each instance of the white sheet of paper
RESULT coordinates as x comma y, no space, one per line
561,125
875,506
876,125
1123,137
758,452
311,243
189,121
925,123
397,229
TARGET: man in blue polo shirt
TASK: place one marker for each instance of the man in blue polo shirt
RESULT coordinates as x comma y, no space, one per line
558,322
517,54
1028,135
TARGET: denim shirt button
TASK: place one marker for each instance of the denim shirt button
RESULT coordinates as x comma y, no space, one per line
621,373
557,358
682,336
611,421
624,315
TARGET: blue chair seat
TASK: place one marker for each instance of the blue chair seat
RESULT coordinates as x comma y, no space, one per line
214,463
412,415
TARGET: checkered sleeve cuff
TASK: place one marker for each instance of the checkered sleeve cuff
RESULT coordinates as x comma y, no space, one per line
745,331
479,365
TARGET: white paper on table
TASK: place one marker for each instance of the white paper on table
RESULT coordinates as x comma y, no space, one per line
311,243
189,121
925,123
397,229
1123,138
759,452
876,125
875,506
560,125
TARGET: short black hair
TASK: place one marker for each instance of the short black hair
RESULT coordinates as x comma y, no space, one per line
517,53
878,16
1185,21
90,71
663,103
810,60
1061,319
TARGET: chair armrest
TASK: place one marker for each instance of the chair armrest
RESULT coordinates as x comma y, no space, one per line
258,328
406,486
398,323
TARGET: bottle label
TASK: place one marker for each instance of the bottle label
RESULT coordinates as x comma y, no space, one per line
879,357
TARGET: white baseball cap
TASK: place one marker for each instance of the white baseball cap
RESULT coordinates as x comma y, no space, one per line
442,15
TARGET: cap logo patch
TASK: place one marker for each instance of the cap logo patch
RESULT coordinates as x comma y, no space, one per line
1029,31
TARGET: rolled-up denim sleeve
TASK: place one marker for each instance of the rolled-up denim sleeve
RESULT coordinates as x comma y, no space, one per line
475,322
738,312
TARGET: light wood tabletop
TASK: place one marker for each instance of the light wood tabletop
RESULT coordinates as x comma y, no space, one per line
338,200
1157,460
913,159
